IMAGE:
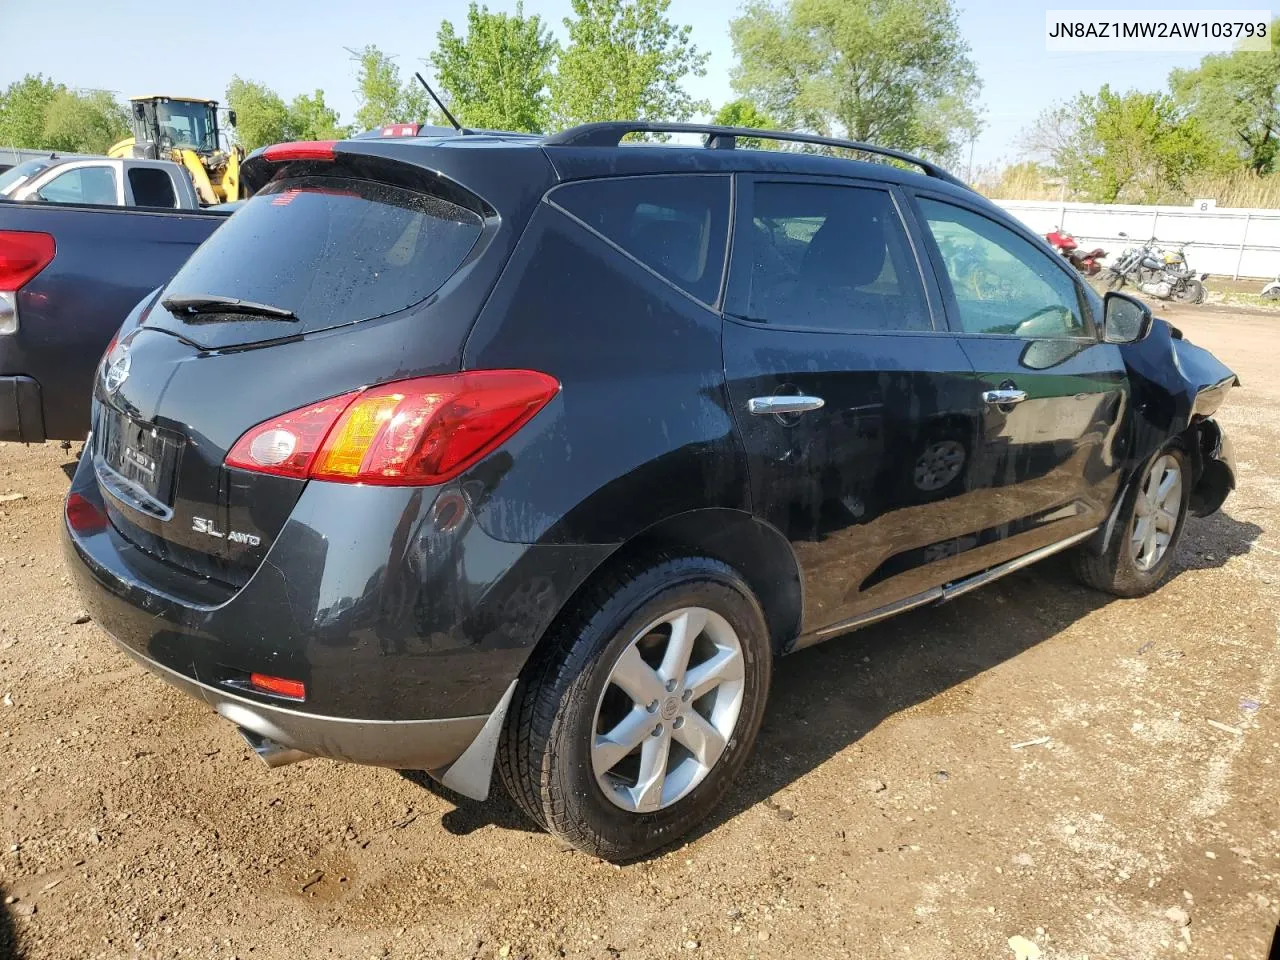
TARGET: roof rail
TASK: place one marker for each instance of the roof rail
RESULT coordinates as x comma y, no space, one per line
610,134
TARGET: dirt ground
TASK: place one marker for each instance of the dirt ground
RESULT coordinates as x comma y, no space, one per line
887,810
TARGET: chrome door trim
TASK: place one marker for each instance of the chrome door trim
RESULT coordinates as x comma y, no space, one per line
940,594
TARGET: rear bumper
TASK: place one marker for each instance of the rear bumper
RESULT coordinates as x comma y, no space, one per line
402,744
408,624
21,411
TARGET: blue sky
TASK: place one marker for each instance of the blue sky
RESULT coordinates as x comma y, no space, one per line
148,46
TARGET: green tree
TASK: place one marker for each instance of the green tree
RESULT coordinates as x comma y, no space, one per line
310,118
84,122
496,76
744,113
1113,147
261,116
892,72
23,105
625,61
381,95
1236,98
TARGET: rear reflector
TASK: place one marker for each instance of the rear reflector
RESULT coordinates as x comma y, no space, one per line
278,686
300,150
406,433
84,517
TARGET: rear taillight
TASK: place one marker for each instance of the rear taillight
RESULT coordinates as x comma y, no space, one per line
407,433
23,254
300,150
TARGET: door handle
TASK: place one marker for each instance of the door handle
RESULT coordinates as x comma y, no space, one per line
765,406
1003,397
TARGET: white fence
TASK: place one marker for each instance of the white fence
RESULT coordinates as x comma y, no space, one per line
1224,241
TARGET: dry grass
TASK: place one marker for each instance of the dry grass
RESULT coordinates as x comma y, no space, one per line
1239,189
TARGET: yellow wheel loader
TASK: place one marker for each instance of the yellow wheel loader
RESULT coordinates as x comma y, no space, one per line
185,130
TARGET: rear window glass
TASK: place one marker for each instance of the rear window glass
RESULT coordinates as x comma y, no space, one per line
332,250
676,225
152,187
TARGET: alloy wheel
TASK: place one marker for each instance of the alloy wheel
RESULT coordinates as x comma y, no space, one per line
668,710
938,465
1156,512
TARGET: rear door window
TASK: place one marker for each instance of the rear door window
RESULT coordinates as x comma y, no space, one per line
332,250
152,187
675,225
827,256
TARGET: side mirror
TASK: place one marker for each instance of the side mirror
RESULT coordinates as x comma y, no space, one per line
1124,319
231,117
140,111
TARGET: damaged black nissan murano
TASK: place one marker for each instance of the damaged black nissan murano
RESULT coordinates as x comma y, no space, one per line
520,456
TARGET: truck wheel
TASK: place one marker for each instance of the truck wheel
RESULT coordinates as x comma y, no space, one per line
1147,530
632,719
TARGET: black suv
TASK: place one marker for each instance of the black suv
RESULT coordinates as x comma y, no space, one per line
449,453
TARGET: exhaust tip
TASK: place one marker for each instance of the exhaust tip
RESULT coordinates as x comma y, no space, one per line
270,752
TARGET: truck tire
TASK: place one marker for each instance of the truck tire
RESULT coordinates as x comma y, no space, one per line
1147,529
637,712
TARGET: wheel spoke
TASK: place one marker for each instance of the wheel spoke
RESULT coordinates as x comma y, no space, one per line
1167,483
1166,520
725,666
636,678
653,773
611,747
704,741
684,630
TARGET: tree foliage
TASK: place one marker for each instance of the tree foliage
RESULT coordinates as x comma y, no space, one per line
497,75
381,96
84,123
1113,147
1236,99
892,72
625,60
263,118
744,113
38,114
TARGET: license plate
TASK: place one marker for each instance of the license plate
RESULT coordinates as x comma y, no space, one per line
142,454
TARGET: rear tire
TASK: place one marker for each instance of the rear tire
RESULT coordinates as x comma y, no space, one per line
1192,291
603,771
1147,530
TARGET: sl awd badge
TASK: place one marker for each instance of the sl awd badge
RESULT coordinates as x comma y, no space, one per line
201,525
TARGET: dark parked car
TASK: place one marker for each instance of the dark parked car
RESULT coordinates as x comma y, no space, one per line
455,453
69,274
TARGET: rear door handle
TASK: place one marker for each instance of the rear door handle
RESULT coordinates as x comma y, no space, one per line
1003,397
765,406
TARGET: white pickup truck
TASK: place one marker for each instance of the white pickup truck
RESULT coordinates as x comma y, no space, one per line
100,181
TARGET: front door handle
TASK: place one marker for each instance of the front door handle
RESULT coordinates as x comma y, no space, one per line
1003,397
765,406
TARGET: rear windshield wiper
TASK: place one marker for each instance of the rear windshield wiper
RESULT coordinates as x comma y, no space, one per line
207,303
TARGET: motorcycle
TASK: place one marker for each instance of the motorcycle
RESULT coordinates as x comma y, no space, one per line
1159,271
1087,263
1272,290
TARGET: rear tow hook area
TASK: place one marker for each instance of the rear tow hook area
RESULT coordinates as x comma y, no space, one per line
270,752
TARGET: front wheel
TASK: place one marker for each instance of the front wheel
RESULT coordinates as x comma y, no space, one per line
635,716
1191,291
1147,530
1115,280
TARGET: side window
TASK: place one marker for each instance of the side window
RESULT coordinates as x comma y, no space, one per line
1002,283
676,225
83,185
152,187
829,256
